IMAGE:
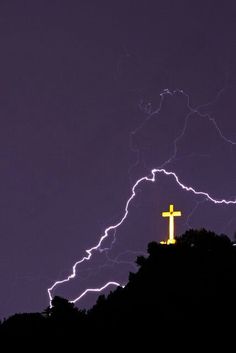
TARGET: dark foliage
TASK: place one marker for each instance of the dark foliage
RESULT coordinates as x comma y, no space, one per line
183,288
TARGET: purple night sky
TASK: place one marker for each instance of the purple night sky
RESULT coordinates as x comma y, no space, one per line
81,83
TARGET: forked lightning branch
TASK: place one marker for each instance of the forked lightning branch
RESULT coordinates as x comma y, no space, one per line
171,240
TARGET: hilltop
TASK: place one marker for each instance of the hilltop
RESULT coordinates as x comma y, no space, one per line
189,284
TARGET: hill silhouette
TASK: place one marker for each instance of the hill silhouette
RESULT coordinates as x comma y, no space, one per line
189,286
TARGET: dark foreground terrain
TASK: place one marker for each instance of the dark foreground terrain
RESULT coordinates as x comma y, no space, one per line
182,290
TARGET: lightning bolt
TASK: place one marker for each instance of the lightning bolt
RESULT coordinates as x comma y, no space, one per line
195,110
96,290
147,109
151,178
150,113
111,230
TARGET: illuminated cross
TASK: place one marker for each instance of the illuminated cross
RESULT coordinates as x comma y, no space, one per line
171,214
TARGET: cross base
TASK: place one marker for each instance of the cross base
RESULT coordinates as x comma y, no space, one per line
168,242
171,241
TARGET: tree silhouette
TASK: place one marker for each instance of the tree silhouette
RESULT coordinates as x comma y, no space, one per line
176,286
62,309
204,239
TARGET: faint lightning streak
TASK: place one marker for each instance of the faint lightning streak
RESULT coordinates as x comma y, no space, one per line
116,261
196,110
147,109
96,290
219,131
187,223
107,230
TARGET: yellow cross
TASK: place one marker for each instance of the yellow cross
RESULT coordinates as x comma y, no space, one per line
171,214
